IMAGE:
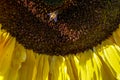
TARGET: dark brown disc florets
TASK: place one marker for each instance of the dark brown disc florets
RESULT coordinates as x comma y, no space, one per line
80,25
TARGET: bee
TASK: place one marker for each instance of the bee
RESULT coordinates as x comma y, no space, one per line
53,16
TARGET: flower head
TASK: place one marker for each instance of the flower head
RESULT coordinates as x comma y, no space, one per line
84,43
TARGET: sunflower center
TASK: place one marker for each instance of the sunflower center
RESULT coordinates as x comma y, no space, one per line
77,26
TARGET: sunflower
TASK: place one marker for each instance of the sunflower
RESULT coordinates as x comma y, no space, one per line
59,40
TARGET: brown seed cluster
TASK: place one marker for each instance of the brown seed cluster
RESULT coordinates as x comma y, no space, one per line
81,24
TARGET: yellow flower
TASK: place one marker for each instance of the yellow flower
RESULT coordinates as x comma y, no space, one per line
100,63
33,46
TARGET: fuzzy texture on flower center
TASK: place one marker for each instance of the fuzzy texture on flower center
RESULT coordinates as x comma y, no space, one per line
53,2
80,24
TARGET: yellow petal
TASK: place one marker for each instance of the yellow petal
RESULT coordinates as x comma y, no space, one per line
43,68
71,69
58,68
110,58
6,52
19,56
27,68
